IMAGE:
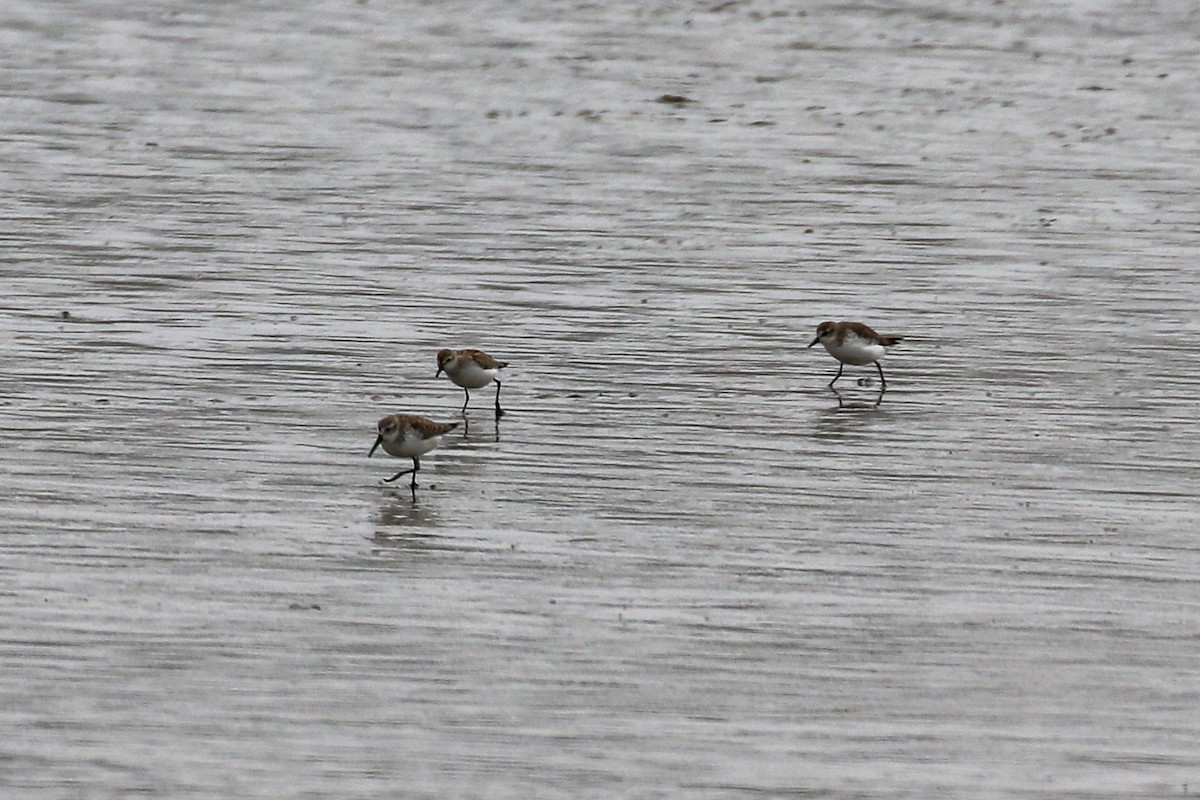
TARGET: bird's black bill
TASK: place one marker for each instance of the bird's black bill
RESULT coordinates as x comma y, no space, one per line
378,441
814,341
438,374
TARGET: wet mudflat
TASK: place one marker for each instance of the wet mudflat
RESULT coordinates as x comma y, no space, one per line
680,566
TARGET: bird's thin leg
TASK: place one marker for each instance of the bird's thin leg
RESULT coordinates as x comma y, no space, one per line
416,468
499,410
397,475
882,380
839,374
468,394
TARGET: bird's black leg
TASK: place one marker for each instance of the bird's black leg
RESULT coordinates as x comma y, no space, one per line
882,380
499,410
468,394
397,475
835,377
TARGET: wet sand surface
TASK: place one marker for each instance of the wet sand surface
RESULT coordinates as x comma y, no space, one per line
680,566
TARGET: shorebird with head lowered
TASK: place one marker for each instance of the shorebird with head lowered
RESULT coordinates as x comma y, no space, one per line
409,436
855,344
471,369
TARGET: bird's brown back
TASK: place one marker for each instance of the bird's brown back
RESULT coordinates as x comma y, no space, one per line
866,332
483,359
426,427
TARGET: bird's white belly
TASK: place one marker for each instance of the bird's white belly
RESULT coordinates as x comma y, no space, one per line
856,353
472,376
411,446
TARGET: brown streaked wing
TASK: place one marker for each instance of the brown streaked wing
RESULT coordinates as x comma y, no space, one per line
425,426
865,332
483,359
860,329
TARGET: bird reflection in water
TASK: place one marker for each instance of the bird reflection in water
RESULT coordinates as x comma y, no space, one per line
845,404
397,511
483,433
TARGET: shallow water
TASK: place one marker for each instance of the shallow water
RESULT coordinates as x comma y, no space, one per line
679,567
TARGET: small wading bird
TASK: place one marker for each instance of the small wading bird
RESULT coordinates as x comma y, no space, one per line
471,369
854,343
409,436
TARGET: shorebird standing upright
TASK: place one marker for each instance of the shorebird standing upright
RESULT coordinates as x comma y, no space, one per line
409,436
855,344
471,369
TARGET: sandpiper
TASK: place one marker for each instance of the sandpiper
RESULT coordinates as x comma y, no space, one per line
471,369
854,343
409,436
